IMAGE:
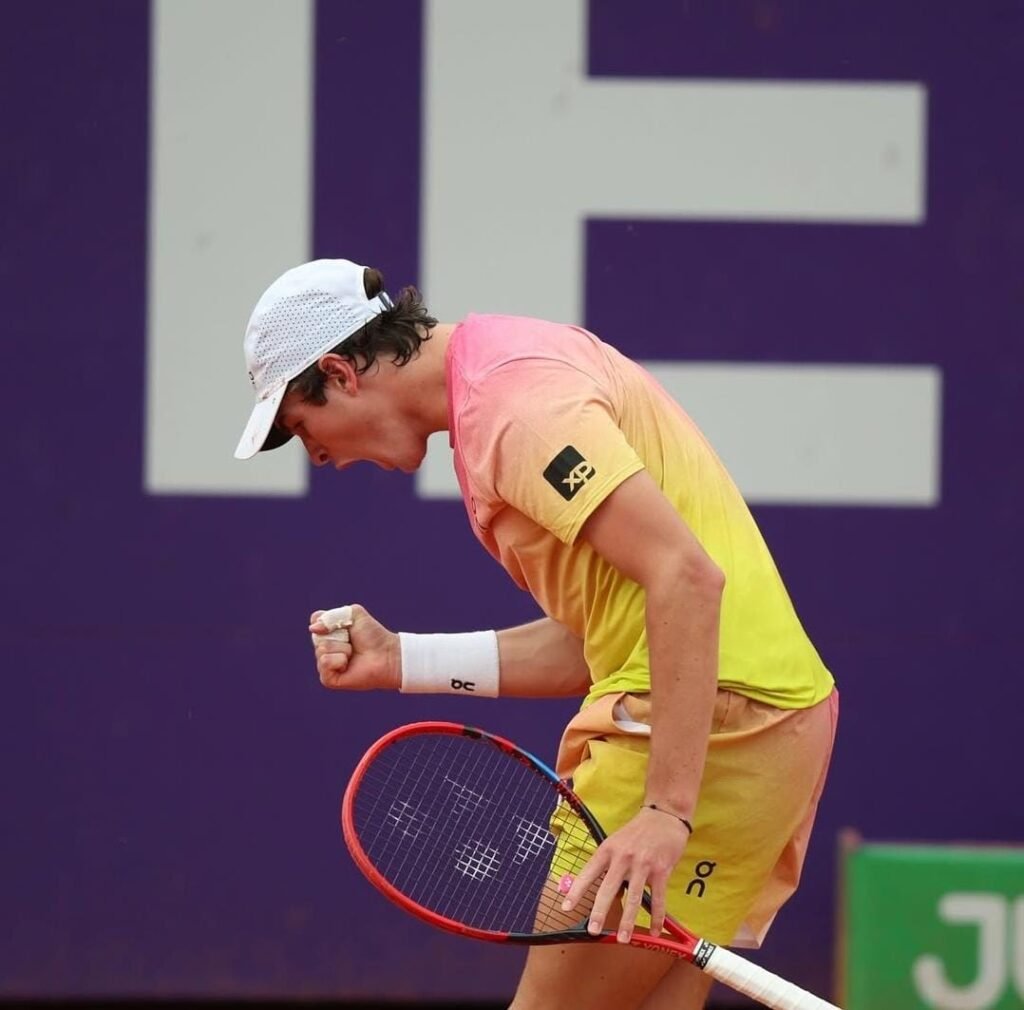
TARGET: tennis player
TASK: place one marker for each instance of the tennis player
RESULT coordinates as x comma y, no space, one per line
707,719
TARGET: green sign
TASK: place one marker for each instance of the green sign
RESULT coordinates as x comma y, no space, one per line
933,928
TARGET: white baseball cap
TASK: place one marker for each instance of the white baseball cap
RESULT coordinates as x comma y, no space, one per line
305,313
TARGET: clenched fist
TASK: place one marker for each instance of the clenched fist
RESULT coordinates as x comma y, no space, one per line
370,660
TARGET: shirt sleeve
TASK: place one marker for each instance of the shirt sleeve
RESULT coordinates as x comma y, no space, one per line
542,436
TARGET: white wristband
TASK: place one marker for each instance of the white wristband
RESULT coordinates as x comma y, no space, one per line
450,664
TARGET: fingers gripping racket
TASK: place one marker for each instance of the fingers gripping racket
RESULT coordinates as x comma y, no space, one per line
476,836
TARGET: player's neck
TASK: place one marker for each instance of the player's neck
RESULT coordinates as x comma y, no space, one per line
429,381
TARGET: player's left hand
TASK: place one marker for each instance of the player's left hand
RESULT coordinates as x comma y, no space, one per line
643,852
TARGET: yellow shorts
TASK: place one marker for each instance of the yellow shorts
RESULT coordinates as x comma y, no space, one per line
763,777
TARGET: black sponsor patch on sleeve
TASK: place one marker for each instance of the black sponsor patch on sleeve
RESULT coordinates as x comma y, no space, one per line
568,472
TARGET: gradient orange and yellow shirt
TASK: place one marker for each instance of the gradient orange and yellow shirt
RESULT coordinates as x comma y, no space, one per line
545,421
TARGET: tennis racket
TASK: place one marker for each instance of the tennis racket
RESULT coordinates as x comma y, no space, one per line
474,835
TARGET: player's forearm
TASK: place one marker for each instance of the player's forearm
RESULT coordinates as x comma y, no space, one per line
683,610
542,659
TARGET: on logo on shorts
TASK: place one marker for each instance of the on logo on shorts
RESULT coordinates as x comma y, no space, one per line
568,472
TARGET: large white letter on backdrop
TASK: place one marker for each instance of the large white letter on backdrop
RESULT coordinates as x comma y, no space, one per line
521,146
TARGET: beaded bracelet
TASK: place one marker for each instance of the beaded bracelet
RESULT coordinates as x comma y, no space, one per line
661,810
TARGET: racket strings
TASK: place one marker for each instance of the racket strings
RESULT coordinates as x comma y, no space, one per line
472,834
574,845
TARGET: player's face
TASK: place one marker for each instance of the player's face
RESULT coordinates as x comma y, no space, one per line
352,427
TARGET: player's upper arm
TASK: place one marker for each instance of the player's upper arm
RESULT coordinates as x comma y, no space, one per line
638,531
542,437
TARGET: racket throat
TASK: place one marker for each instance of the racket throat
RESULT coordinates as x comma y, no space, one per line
570,934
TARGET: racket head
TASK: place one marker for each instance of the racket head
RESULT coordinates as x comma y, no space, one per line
425,791
469,832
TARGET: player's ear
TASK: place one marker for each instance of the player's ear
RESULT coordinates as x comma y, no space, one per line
341,370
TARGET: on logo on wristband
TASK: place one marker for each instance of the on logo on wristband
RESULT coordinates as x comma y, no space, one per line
464,663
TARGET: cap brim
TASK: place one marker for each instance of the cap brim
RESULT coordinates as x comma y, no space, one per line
260,433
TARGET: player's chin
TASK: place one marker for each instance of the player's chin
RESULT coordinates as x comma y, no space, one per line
410,465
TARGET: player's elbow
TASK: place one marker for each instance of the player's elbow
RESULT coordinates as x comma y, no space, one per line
713,577
696,579
697,574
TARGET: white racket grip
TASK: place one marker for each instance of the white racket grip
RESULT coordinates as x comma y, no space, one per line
337,622
760,984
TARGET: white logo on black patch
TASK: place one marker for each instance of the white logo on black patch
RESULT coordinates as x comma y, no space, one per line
568,472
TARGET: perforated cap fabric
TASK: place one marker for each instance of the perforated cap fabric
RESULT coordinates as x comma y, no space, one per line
302,315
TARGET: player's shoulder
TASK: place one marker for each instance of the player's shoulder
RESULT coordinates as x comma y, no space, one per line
486,344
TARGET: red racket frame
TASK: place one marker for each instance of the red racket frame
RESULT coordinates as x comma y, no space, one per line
685,944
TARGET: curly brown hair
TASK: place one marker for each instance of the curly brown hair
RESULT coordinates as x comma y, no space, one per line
397,332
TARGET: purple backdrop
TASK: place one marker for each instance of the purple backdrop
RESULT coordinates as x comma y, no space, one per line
171,766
